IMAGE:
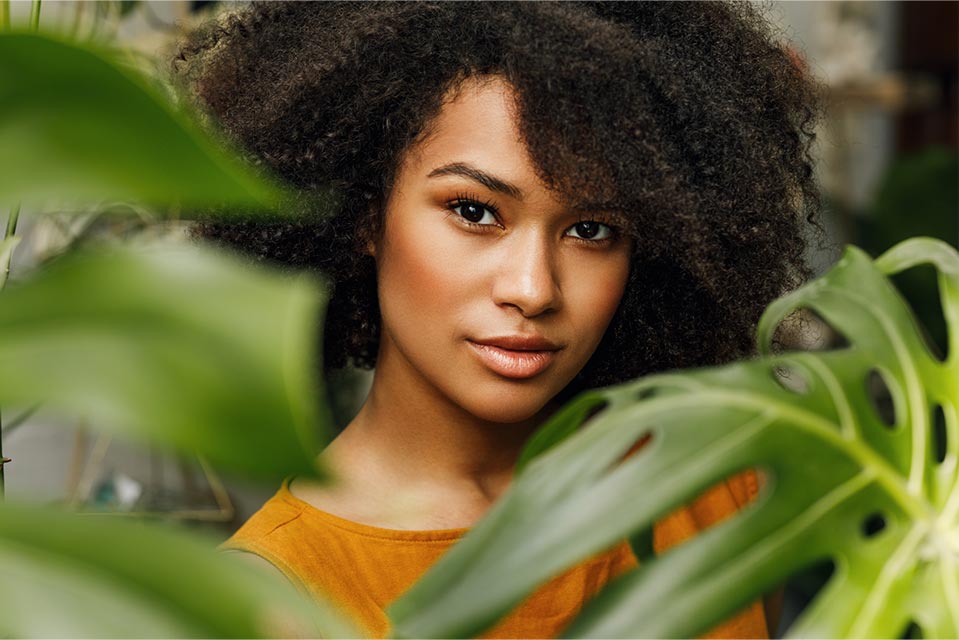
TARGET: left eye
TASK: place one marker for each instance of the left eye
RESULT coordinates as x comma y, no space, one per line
474,212
592,230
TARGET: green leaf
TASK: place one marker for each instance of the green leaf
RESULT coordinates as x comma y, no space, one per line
7,246
66,575
833,467
77,127
179,345
127,7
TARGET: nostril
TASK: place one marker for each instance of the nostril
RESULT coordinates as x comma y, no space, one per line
527,278
530,302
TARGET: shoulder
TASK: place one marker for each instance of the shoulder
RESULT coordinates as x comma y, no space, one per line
270,538
276,514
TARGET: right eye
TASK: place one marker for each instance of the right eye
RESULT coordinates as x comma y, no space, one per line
475,213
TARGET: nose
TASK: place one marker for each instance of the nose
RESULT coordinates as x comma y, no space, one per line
527,278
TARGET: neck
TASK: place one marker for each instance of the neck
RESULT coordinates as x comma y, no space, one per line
408,434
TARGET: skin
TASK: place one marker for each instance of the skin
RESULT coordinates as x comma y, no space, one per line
438,437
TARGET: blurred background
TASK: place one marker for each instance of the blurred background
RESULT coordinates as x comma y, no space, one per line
888,162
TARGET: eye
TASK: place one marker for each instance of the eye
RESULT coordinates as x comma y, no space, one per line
474,213
592,230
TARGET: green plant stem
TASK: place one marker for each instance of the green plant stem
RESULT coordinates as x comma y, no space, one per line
10,231
1,470
18,420
35,15
12,222
4,14
77,16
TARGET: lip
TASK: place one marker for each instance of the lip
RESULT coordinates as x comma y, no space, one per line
514,363
519,343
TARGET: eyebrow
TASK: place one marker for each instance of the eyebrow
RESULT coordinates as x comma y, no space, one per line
478,175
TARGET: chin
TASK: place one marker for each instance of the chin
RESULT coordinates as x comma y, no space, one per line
507,408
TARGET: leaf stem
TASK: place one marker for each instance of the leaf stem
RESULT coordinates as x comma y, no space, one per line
4,15
12,221
2,462
9,232
35,15
19,420
77,16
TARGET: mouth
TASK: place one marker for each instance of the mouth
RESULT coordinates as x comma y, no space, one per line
514,363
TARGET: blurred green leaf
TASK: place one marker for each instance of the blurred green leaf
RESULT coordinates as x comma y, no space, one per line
176,344
72,576
76,127
843,485
7,245
127,7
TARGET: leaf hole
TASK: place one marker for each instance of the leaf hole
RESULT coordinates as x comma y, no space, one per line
595,409
737,490
911,630
919,286
791,379
799,590
873,525
939,434
646,393
881,397
641,442
805,330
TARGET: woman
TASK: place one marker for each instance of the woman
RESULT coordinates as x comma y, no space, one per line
532,199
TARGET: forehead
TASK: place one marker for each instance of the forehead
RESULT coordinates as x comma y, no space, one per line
480,126
477,125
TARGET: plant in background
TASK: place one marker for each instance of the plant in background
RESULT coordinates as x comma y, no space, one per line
926,184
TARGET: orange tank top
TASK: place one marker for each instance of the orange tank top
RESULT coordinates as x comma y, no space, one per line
364,568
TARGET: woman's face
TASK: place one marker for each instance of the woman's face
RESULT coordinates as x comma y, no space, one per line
476,250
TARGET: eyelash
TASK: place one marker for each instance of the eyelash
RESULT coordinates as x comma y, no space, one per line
464,199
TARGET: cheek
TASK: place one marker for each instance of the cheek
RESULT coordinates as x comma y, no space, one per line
594,300
421,278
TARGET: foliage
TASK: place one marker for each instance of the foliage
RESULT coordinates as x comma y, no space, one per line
177,344
76,126
842,484
71,576
925,185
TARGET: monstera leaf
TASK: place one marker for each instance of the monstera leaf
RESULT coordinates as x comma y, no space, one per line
72,576
77,127
174,344
876,497
177,345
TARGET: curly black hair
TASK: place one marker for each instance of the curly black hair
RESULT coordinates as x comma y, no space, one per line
691,119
